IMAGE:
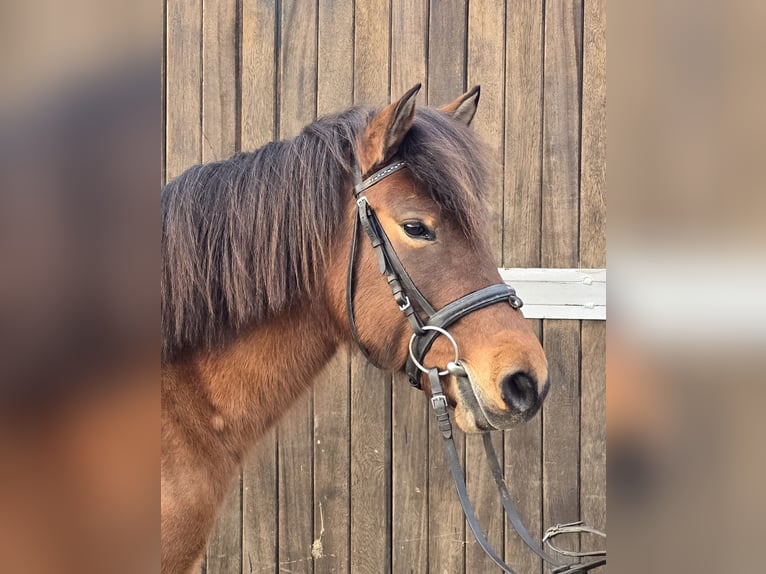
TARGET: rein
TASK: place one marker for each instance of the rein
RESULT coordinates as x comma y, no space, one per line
425,332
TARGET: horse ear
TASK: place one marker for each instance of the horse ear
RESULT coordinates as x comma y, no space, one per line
464,108
387,129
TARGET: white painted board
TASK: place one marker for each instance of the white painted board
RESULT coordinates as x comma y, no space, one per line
559,293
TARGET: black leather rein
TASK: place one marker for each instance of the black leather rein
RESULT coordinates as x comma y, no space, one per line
425,332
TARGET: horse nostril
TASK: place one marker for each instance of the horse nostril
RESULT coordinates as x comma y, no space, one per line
519,391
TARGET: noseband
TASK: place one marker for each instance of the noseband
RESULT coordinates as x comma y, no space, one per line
425,332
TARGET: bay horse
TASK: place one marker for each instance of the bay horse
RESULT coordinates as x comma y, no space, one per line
258,290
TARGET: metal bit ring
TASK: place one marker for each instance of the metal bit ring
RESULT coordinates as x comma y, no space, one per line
441,332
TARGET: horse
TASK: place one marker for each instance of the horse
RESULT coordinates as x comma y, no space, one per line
266,272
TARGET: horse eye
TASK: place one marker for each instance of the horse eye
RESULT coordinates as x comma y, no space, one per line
417,230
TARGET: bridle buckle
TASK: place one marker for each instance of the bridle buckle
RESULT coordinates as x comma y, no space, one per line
438,402
404,305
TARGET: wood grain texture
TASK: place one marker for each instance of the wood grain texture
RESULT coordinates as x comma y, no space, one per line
593,252
224,547
371,528
410,409
297,107
260,520
219,136
295,487
258,73
561,134
559,248
486,67
409,523
523,134
370,467
593,425
446,50
521,245
260,507
446,81
184,86
372,52
335,56
332,435
183,89
486,61
593,161
331,467
524,476
561,423
220,65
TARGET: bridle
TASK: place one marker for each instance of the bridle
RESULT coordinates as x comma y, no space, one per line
404,289
425,332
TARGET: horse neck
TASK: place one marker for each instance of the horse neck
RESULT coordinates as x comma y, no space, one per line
248,385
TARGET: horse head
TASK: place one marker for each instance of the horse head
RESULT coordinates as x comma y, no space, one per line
419,187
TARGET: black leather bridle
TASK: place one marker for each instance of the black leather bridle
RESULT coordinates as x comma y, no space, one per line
425,332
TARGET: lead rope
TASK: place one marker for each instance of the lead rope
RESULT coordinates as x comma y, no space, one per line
439,404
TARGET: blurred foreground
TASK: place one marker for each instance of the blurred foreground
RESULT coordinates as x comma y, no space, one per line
80,127
686,352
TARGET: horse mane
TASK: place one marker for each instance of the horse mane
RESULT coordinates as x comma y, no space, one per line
244,238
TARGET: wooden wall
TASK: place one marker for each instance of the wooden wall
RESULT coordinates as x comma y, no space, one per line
354,479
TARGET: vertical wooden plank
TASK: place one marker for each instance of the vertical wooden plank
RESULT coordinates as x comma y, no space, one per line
486,42
335,67
219,79
371,527
524,477
447,21
561,133
331,467
219,135
370,388
184,83
593,254
593,425
593,162
260,524
410,412
258,70
297,107
260,528
486,55
523,134
560,230
446,81
561,423
372,52
409,45
335,91
224,547
521,245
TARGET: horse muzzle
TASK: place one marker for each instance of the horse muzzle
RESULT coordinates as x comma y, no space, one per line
520,392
